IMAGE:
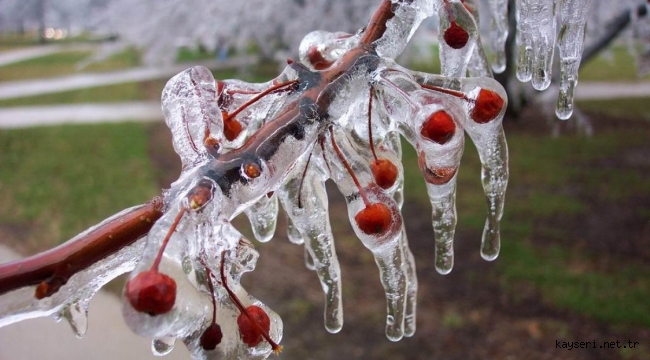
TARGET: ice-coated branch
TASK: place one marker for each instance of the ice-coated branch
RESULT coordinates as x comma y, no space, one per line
52,269
338,114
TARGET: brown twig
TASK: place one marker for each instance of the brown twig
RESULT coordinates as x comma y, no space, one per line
53,268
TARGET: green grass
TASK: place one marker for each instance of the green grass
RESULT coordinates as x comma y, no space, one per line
431,66
43,67
632,107
148,90
566,279
57,181
13,41
65,63
615,64
186,54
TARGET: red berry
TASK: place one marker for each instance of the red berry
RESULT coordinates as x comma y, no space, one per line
384,172
436,176
151,292
455,36
251,334
487,106
211,337
316,59
374,219
231,129
439,127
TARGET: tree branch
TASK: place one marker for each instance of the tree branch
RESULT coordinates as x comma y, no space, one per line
612,30
52,269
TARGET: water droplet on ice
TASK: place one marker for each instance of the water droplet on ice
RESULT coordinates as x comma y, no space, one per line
162,346
77,316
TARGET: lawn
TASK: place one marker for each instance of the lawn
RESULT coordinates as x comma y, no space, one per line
66,63
56,181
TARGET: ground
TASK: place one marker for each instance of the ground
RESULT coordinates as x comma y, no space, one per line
476,312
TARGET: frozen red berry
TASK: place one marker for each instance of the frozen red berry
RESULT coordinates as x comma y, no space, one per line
435,175
211,337
231,129
374,219
151,292
316,59
439,127
487,106
455,36
251,334
384,172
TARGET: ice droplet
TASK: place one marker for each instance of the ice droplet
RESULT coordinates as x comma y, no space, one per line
163,346
77,316
263,216
498,33
573,19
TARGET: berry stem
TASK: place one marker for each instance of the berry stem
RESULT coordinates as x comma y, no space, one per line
302,180
258,97
276,348
172,229
211,287
401,92
455,93
372,145
321,142
362,192
450,13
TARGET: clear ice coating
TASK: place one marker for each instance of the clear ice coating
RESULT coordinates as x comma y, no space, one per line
573,21
498,33
457,38
541,25
249,148
536,31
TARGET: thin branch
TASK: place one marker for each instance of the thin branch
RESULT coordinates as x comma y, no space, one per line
53,268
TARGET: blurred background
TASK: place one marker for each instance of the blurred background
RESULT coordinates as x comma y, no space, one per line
82,137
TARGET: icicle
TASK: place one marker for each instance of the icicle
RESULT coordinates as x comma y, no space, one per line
440,143
385,245
77,316
490,141
573,17
457,38
305,200
293,234
263,216
309,261
498,33
162,346
478,63
412,287
540,36
523,40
